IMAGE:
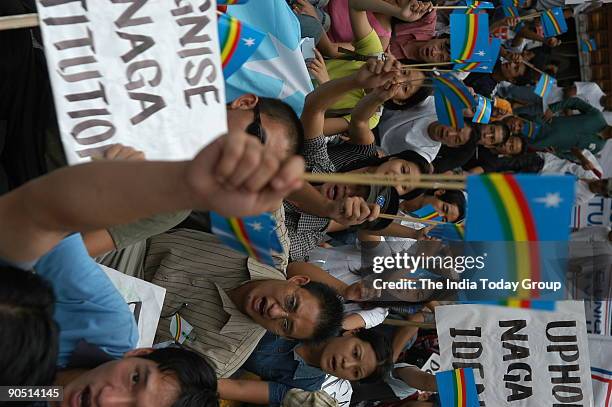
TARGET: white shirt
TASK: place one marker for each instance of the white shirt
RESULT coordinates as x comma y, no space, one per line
590,92
401,130
555,165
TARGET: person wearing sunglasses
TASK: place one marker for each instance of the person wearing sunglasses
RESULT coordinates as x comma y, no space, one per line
272,121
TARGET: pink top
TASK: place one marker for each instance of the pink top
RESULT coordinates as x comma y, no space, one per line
340,29
420,30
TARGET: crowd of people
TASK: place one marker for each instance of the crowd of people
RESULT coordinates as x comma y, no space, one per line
262,334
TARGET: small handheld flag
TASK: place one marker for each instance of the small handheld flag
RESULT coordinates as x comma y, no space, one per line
531,130
544,85
448,232
237,41
483,110
473,6
252,235
455,90
539,305
521,208
553,22
457,388
447,113
513,3
484,66
427,212
588,45
470,37
513,12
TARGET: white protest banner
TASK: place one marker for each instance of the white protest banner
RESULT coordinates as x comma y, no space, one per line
145,301
520,357
600,348
340,389
146,74
432,366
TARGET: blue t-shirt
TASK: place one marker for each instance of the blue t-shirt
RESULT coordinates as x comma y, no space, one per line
275,361
88,306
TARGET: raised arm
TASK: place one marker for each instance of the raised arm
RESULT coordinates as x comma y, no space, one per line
234,175
411,12
359,128
373,74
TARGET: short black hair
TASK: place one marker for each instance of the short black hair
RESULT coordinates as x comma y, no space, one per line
282,112
452,197
196,377
382,349
505,130
407,155
29,336
332,311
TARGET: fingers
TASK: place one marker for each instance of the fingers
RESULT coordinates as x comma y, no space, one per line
374,212
121,152
250,162
232,149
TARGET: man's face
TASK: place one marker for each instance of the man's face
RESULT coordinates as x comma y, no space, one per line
491,135
128,382
435,50
241,113
599,187
449,136
283,307
512,70
512,146
514,124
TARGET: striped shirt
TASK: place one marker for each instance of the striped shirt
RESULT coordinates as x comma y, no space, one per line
344,154
198,271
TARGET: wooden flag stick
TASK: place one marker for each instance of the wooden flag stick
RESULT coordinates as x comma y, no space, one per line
429,64
18,21
410,219
450,7
365,179
530,65
397,322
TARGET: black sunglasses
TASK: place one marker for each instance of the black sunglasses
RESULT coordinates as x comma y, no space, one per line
255,128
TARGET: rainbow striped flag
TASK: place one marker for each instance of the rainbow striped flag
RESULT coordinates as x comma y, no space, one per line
473,6
544,85
553,22
427,212
231,2
513,12
513,3
526,208
483,66
539,305
254,236
470,37
588,45
447,113
530,129
237,41
483,110
457,388
455,90
448,232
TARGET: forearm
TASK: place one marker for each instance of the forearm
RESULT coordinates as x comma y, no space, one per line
417,379
247,391
573,103
376,6
87,197
397,230
401,338
324,96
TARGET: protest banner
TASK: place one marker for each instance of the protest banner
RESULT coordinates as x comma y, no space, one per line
145,301
146,74
521,357
601,369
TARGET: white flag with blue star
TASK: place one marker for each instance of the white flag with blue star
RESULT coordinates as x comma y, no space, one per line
277,69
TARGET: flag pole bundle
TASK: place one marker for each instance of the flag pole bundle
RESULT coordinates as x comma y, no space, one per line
419,181
18,21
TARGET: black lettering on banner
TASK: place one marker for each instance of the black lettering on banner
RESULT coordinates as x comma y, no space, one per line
181,11
79,114
94,152
477,366
155,104
126,19
134,67
202,91
205,6
77,43
91,124
566,346
94,94
518,391
139,43
65,20
51,3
